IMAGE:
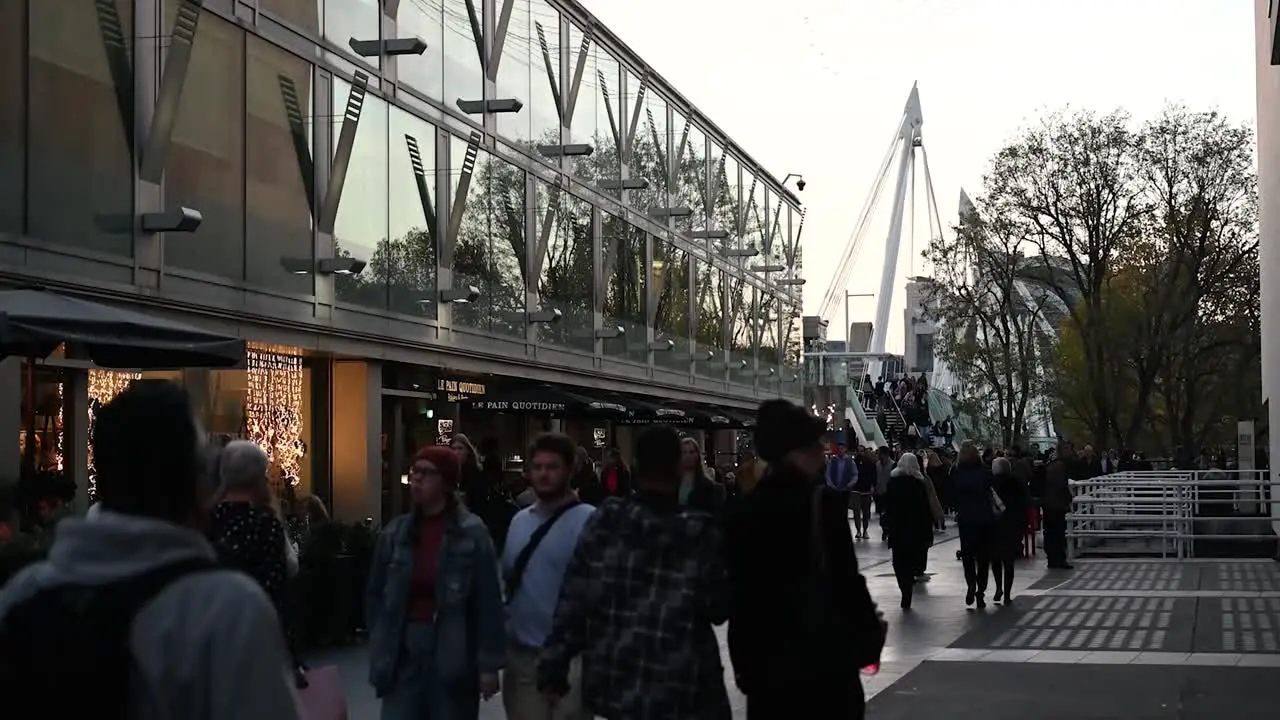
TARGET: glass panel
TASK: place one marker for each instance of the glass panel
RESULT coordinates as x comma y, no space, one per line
423,72
775,239
626,295
671,312
649,158
489,252
596,115
792,339
79,168
345,20
521,59
412,206
12,101
277,167
463,77
361,227
564,280
205,165
690,147
540,108
708,293
755,227
725,213
742,358
305,15
768,321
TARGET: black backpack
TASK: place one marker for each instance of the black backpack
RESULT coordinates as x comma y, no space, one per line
66,649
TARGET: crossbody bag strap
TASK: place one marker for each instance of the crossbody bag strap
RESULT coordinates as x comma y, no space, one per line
818,545
516,576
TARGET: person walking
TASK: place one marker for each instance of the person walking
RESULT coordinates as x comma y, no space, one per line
1009,526
910,516
433,603
975,515
801,620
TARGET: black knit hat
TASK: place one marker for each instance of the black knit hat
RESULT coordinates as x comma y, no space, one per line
782,426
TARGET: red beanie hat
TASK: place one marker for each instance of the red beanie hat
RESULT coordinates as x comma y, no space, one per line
445,460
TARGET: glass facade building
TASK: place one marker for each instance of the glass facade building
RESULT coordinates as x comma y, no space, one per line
524,153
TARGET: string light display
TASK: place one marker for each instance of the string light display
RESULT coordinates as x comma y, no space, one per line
273,408
103,386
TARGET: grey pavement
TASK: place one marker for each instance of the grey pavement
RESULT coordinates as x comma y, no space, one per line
1191,620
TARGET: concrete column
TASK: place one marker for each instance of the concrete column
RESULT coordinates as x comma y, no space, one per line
356,441
75,433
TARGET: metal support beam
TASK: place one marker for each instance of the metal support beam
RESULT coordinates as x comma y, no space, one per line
342,153
910,133
118,63
420,179
298,134
459,205
155,152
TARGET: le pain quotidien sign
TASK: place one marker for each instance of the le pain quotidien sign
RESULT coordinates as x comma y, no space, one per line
455,390
517,406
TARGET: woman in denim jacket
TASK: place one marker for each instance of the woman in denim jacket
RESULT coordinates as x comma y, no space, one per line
434,604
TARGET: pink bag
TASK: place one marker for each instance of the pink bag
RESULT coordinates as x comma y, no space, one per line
324,697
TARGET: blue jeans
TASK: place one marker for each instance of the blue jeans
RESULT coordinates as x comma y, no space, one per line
418,693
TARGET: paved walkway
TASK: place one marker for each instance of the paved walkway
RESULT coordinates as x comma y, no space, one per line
1111,639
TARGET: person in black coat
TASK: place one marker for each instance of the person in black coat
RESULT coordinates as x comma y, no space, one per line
971,486
1010,527
801,620
910,517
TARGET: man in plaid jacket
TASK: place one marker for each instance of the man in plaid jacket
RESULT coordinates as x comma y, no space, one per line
640,598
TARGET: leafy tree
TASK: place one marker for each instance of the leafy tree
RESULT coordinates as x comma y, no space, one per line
991,328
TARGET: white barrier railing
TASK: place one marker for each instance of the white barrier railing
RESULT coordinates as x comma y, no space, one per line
1171,510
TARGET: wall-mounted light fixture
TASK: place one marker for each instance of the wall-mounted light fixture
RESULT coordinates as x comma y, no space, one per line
662,345
543,316
496,105
741,252
571,150
768,268
628,184
323,266
461,295
791,282
182,220
610,332
670,212
709,234
388,46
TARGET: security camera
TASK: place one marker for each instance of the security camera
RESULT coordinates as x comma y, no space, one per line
800,184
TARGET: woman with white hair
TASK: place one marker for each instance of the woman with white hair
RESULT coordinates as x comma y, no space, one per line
910,514
245,526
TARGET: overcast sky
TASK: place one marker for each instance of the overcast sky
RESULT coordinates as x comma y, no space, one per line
817,87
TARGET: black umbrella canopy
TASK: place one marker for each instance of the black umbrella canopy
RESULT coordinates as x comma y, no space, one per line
34,322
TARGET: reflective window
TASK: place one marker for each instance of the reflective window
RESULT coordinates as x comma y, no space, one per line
597,115
689,146
768,319
772,252
790,344
540,109
489,251
413,207
80,173
345,20
13,99
755,220
278,166
521,58
305,14
463,77
626,290
742,340
423,19
205,165
709,298
670,290
725,192
360,230
650,153
565,265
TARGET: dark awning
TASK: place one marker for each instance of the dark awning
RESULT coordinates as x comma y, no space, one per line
730,418
544,400
644,412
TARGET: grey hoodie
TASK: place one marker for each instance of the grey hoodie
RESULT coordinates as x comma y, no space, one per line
208,646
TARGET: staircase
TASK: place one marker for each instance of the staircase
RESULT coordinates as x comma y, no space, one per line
893,424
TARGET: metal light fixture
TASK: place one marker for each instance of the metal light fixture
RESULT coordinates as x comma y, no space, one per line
799,180
665,212
496,105
768,268
340,266
611,332
791,282
628,184
571,150
543,316
662,345
388,46
181,219
741,252
460,296
709,234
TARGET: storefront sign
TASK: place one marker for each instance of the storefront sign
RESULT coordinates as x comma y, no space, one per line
459,387
505,406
